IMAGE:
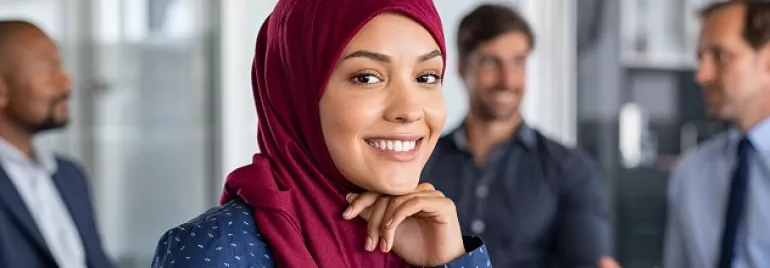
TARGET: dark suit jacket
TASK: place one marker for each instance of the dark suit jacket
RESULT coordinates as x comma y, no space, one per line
21,242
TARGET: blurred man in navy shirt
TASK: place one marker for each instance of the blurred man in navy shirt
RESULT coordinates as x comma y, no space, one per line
535,202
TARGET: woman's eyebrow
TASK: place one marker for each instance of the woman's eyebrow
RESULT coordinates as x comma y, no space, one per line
369,55
430,55
385,58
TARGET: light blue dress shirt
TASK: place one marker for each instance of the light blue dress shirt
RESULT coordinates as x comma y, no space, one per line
698,192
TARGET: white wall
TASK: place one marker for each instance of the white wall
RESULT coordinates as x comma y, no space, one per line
45,14
551,101
549,105
241,20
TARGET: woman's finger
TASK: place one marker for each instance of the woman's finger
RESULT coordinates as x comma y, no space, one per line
423,190
379,211
388,232
398,201
608,262
373,238
424,187
359,203
423,206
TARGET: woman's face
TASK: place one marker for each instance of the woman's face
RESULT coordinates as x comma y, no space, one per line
383,108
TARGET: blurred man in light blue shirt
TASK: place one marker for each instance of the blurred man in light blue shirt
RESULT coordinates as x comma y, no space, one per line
719,196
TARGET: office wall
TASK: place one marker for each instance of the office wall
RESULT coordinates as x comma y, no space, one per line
140,113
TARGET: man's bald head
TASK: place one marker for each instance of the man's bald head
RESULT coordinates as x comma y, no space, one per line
34,89
8,27
12,33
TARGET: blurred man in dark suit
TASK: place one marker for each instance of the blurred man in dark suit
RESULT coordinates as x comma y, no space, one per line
46,216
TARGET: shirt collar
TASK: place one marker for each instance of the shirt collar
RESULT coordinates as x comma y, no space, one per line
43,159
525,136
759,136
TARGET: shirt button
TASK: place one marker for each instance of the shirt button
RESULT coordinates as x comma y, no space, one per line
478,226
482,192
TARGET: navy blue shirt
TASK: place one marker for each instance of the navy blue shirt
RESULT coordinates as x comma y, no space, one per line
226,237
535,202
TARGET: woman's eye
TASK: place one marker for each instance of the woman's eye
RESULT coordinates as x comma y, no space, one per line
429,79
366,79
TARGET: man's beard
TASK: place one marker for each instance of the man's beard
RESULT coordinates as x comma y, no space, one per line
488,112
50,122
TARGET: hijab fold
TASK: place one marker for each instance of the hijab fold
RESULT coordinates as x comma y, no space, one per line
293,186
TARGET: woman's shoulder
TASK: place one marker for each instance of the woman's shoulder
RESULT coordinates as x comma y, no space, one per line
224,236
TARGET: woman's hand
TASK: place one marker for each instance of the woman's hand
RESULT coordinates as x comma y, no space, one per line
421,227
608,262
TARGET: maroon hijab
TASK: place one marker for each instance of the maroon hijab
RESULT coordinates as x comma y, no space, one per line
293,186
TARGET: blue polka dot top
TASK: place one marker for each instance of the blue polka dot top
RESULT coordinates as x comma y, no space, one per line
227,237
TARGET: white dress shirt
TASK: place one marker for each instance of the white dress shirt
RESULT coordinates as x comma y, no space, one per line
34,182
698,194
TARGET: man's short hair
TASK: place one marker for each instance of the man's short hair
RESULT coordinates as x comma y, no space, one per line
487,22
756,22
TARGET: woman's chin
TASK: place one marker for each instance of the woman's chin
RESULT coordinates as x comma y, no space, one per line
398,188
392,182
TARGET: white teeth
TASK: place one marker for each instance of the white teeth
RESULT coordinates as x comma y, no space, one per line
382,145
393,145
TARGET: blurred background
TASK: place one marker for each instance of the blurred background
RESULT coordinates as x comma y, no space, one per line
163,107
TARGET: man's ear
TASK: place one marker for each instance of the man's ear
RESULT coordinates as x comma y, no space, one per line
4,98
764,54
462,70
461,67
763,60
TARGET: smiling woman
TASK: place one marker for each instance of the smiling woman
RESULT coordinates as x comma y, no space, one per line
350,119
390,93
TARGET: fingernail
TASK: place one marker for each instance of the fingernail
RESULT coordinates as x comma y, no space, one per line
369,244
383,245
350,197
390,222
347,212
